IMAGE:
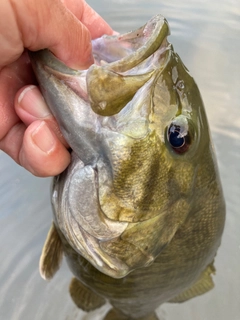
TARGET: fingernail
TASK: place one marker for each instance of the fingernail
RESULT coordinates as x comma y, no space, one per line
33,102
43,138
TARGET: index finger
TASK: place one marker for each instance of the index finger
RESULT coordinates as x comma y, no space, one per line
89,17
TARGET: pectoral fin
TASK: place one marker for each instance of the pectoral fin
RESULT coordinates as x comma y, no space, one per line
203,285
83,297
51,256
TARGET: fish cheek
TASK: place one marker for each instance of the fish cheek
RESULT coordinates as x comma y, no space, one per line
140,173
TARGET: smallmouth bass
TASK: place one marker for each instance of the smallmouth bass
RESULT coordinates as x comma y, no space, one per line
139,213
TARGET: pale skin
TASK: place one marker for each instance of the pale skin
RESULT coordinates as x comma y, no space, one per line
28,131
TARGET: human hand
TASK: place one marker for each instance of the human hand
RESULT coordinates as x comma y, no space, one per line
28,131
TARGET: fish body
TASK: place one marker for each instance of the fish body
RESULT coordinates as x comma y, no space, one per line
139,213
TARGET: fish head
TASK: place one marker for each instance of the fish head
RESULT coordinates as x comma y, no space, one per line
137,127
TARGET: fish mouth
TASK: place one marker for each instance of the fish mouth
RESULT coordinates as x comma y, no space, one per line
134,47
123,64
130,49
129,66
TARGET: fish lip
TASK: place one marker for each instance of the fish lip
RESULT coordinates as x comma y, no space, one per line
143,44
160,31
126,75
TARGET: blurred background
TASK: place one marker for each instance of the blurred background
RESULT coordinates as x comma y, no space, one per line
206,35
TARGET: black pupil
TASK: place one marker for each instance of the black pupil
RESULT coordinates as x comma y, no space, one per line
175,140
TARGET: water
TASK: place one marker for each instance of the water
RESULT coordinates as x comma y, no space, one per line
206,36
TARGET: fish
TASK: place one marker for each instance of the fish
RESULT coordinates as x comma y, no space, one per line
139,213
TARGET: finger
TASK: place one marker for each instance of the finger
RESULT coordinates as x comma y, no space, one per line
90,18
31,106
12,78
43,142
41,152
13,139
36,148
57,29
48,25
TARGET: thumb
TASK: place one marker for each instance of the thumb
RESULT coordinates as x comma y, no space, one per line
51,25
36,25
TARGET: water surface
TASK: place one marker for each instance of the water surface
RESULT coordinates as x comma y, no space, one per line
206,36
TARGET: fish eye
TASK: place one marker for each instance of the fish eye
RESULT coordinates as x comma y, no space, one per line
178,137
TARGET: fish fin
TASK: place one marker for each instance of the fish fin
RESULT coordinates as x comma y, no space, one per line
52,254
201,286
114,314
152,316
84,297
